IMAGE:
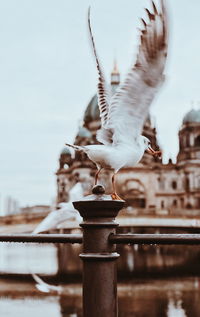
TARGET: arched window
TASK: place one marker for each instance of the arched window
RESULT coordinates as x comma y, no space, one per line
189,206
134,193
174,203
174,184
187,140
187,184
197,141
161,182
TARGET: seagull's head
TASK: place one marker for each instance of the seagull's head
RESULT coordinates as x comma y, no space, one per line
148,148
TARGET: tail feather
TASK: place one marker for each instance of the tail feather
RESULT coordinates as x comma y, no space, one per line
76,147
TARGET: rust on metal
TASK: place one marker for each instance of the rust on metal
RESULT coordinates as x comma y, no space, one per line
189,239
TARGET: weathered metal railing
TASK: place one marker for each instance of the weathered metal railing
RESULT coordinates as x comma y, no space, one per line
42,238
99,249
189,239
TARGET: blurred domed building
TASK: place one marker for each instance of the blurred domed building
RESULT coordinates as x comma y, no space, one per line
149,186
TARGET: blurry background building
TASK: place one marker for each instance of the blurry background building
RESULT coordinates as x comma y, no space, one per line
149,186
164,192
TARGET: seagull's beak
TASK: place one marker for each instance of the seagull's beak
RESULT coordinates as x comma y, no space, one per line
152,152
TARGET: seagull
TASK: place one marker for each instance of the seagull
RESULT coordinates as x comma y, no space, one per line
66,212
45,287
123,114
54,220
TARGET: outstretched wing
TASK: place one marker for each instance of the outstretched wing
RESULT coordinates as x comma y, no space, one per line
104,95
130,104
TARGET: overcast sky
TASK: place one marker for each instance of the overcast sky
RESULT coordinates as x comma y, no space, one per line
48,76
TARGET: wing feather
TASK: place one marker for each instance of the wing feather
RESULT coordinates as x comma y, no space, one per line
104,93
130,104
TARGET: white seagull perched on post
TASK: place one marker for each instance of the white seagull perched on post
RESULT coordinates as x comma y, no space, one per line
123,114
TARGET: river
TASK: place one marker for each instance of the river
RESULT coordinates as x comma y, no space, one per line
171,297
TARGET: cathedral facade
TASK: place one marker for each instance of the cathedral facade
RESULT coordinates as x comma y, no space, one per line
149,186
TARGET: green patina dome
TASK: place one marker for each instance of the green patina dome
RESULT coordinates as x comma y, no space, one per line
65,151
84,133
92,110
192,116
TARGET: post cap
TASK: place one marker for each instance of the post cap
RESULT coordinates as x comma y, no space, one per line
98,204
98,190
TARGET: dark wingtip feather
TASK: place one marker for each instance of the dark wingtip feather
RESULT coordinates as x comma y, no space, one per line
154,8
150,15
144,22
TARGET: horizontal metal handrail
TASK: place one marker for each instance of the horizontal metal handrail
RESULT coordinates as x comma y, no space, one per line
189,239
42,238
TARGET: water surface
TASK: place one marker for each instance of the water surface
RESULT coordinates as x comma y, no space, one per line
173,297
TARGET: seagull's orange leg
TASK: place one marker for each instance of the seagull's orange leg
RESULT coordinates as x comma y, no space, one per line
96,175
153,152
114,194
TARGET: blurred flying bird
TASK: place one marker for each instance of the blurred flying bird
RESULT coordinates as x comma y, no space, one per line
54,220
45,287
123,114
66,212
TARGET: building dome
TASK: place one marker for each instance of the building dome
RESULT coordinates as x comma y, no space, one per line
192,116
92,113
65,151
84,133
92,110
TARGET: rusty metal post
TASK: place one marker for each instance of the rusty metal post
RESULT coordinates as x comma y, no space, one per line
99,255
